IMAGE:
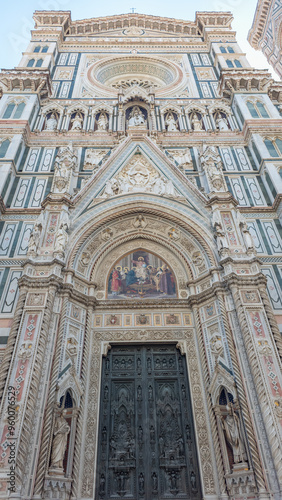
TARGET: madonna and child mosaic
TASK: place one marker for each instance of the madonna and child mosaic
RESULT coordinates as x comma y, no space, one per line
141,274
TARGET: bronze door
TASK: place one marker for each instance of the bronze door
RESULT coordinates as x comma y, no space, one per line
146,444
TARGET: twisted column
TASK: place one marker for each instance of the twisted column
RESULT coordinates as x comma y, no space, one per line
271,318
205,372
6,363
81,413
46,441
262,392
26,430
253,450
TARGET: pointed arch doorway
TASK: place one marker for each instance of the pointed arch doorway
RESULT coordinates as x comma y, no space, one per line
146,447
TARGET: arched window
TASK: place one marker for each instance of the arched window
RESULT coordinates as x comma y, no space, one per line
4,148
223,50
14,111
37,48
252,109
279,145
271,148
262,110
39,63
229,63
45,49
225,397
257,109
9,110
230,50
238,64
30,63
19,111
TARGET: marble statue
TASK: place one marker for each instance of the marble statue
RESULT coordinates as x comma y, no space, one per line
231,426
61,240
222,123
77,122
212,166
65,162
102,123
52,122
136,117
34,239
171,123
248,240
196,123
60,440
221,239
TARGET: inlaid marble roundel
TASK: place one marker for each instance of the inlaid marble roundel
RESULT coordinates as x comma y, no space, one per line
133,70
140,275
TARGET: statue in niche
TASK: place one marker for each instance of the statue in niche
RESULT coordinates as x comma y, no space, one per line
77,122
34,240
248,240
196,123
61,240
221,122
231,427
171,123
212,166
102,123
51,122
221,240
65,162
60,440
136,117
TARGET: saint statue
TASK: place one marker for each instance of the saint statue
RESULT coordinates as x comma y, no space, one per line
61,239
171,123
34,239
77,122
60,440
65,162
102,123
52,122
196,123
221,239
248,240
231,426
222,123
136,117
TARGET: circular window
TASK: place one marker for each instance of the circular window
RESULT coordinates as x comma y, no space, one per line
111,74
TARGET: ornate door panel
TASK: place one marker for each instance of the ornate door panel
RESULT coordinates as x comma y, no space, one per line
146,435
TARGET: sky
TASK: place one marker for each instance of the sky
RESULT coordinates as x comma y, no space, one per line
16,20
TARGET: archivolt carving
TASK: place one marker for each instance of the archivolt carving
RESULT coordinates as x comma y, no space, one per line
88,466
174,246
178,243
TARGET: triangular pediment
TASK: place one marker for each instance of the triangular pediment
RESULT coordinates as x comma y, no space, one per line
138,169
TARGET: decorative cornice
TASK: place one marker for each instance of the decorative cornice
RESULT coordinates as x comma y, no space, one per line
244,80
27,80
256,32
87,27
275,91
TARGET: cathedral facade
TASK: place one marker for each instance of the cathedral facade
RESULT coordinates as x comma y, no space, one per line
141,264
